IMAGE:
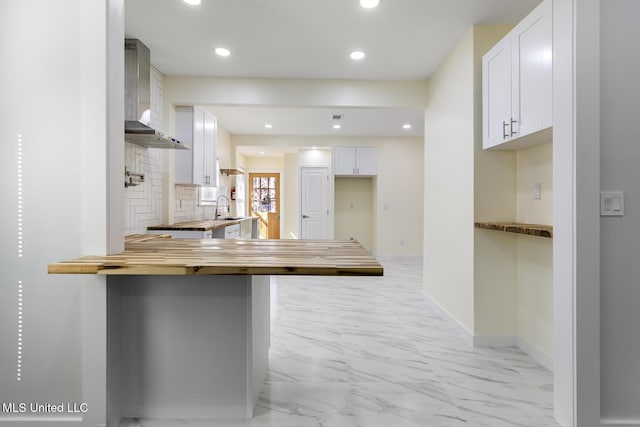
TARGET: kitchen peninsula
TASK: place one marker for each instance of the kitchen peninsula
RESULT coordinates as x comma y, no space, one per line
188,320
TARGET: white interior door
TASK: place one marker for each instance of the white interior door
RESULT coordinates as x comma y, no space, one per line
314,206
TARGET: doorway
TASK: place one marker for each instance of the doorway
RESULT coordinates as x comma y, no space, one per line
264,195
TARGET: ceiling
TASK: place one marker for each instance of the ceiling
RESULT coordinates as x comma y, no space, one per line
305,39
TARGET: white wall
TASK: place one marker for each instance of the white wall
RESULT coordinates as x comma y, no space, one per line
290,188
494,185
398,188
448,185
620,244
497,285
354,210
55,100
576,240
534,293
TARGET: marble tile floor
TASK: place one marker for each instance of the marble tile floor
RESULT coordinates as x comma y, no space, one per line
371,352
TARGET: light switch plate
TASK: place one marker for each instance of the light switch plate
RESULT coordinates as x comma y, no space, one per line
611,203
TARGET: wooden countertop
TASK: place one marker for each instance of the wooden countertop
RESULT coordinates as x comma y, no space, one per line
199,225
219,256
515,227
134,238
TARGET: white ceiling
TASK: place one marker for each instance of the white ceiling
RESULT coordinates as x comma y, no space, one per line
306,39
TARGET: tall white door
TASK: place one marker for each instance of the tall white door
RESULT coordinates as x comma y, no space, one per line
314,206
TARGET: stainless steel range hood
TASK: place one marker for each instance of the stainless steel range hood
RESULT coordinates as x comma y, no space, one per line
137,99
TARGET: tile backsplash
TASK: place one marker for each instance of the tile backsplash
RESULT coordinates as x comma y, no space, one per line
144,202
187,208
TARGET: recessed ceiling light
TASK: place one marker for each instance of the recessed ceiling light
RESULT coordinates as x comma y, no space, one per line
314,148
357,55
194,2
222,51
336,126
268,125
406,126
262,152
368,4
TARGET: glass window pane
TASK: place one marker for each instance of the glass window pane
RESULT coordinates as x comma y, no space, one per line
272,182
264,182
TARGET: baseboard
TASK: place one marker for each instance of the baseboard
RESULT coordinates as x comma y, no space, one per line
450,318
494,341
535,353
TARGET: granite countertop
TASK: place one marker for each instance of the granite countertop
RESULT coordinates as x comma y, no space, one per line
219,256
200,225
515,227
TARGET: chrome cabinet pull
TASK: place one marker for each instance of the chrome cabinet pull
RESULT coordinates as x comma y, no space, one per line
512,131
505,135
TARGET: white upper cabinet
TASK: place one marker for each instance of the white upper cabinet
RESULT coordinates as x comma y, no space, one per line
496,93
516,84
197,127
355,161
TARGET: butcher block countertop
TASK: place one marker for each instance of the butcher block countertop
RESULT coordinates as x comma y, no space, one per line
199,225
219,256
515,227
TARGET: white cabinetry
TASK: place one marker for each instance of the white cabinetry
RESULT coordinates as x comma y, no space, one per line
196,127
516,84
355,161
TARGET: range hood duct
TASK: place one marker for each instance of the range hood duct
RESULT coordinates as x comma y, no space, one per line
137,99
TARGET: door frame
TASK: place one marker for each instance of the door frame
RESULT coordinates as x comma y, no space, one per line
278,176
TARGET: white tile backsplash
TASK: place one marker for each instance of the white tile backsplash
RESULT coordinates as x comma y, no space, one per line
144,202
186,206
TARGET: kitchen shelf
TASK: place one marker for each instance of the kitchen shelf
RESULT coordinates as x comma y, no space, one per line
232,171
515,227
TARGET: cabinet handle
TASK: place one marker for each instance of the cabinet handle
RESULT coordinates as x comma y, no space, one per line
357,171
512,131
505,135
305,216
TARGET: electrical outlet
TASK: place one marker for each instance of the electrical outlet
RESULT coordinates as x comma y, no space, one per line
536,191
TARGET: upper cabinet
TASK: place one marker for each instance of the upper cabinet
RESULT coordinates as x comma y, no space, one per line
355,161
517,84
197,127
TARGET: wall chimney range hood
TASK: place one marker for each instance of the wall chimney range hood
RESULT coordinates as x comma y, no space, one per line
137,99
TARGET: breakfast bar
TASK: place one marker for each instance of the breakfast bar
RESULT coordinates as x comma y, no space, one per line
188,320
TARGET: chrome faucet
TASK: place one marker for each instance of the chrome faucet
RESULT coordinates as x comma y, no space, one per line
217,204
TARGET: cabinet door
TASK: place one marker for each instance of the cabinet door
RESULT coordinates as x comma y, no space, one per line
532,72
196,127
209,168
366,161
496,94
344,160
184,133
197,150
